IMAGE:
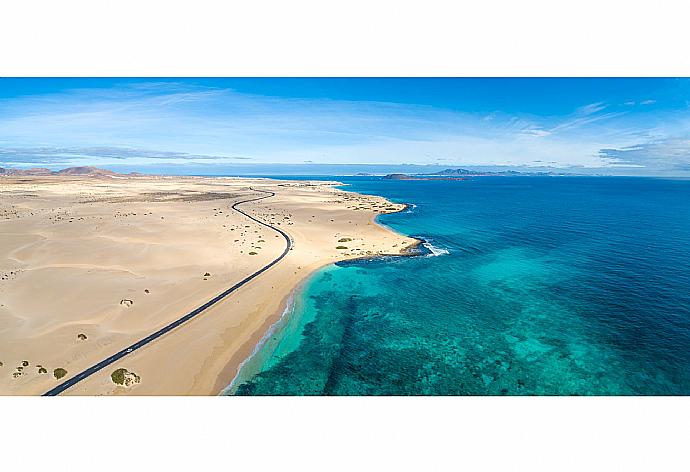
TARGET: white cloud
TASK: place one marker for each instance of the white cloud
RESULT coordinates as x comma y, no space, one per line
664,154
173,123
590,109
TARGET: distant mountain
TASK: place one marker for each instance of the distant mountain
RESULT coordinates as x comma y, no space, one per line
421,177
454,172
470,173
85,170
32,171
462,174
80,171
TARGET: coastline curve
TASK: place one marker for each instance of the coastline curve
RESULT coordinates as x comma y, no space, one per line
192,314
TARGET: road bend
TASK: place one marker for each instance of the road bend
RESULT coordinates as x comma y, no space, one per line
192,314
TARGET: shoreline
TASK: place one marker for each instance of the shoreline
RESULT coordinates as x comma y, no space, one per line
274,328
257,345
116,259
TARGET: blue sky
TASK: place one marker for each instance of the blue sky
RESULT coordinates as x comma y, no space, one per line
598,125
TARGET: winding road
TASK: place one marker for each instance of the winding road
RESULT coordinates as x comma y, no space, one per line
196,312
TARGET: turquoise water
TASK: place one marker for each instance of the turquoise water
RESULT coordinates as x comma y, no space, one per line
550,286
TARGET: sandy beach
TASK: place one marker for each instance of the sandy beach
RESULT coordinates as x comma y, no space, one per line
91,264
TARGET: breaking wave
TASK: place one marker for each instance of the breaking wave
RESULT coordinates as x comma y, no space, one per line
434,251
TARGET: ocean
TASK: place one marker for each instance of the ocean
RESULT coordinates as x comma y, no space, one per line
526,286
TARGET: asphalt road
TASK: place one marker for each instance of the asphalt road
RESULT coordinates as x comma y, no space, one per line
180,321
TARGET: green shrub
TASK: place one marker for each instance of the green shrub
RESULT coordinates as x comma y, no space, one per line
59,373
125,378
344,240
119,376
341,247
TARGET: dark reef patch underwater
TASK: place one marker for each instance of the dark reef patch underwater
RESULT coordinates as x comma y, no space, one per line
532,286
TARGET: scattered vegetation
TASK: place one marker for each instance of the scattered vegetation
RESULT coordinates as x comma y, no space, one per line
146,290
126,302
59,373
81,336
341,247
344,240
42,370
252,253
207,274
25,363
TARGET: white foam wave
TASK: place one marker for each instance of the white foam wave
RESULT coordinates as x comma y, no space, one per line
274,327
435,251
411,207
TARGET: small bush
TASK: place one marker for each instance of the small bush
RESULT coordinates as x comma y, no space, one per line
341,247
25,363
59,373
125,378
344,240
118,376
253,253
81,336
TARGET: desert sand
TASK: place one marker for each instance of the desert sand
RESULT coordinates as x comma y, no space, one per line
91,264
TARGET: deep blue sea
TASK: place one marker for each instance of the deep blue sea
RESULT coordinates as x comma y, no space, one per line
538,286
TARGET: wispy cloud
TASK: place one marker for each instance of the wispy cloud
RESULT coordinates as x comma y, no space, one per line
590,109
585,115
77,155
666,154
168,122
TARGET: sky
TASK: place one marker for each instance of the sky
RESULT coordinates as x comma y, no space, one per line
629,126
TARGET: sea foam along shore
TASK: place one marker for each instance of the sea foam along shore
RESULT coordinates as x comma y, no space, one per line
249,365
246,369
252,364
433,250
124,256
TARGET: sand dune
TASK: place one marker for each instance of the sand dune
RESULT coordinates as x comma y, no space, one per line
89,265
